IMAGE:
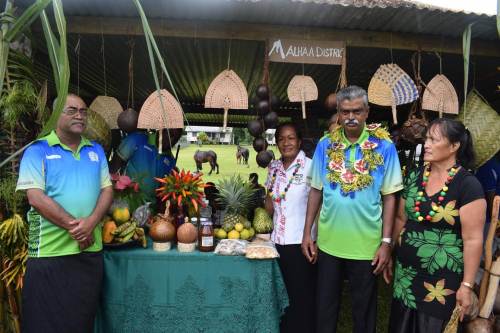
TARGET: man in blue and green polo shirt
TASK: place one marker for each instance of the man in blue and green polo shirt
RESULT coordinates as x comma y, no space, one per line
355,174
69,189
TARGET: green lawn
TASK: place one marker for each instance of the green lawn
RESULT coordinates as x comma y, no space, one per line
226,157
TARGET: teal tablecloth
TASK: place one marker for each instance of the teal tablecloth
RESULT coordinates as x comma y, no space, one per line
148,291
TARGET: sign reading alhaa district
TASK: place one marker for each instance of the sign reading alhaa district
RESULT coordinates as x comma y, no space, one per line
306,51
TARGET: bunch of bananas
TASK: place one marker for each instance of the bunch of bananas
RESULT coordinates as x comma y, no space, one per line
128,231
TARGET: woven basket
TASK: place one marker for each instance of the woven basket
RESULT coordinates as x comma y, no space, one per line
227,91
109,108
391,86
150,116
302,89
98,130
440,96
484,124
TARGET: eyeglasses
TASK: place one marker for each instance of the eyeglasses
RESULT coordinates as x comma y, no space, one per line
73,111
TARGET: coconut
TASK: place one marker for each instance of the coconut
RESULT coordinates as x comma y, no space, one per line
262,91
259,144
187,233
271,120
264,158
98,130
331,102
479,325
263,106
127,120
255,127
162,232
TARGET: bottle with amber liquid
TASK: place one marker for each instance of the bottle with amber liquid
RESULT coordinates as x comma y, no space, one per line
206,236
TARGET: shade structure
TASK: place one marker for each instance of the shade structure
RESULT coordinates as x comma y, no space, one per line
108,108
302,89
227,91
391,86
484,124
440,96
151,117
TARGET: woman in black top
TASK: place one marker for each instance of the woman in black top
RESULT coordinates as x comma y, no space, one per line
439,233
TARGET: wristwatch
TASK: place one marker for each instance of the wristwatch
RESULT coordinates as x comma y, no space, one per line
387,240
468,285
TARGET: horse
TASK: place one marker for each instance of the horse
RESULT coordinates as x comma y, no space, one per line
201,157
242,155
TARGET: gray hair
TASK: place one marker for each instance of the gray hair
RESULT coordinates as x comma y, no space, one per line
352,92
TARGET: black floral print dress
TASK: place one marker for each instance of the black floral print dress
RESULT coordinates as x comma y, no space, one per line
429,256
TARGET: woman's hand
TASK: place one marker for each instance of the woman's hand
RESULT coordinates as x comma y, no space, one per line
309,249
388,272
464,300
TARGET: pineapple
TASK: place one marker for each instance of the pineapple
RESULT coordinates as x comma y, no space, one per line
236,196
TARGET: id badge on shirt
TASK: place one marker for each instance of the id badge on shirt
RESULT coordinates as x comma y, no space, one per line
298,179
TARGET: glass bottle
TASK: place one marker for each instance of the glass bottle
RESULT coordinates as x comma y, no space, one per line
206,236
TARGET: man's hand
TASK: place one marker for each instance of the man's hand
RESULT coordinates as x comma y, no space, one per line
309,249
382,258
86,243
388,272
81,229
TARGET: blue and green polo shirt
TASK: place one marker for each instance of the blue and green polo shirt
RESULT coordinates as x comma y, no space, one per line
350,227
72,179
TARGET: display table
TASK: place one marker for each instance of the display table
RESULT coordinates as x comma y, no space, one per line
148,291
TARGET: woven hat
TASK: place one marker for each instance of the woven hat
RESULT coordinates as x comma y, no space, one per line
302,89
109,108
484,124
227,91
150,116
440,96
391,86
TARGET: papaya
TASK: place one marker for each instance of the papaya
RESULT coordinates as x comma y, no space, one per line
107,231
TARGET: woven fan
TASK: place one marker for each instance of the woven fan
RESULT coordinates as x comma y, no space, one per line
440,96
150,116
302,89
484,124
227,91
107,107
391,86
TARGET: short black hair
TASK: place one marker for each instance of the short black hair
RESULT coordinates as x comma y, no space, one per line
284,125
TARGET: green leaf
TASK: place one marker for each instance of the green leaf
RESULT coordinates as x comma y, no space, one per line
430,236
466,38
25,20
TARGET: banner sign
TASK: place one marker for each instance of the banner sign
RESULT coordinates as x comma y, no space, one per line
306,51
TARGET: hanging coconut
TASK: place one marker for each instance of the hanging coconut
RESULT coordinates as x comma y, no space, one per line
227,91
262,92
262,106
479,325
255,127
127,120
98,130
271,120
275,102
259,144
264,158
331,102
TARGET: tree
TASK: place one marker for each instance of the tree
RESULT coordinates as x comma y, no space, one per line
203,138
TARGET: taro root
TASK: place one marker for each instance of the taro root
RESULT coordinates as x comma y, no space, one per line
263,106
259,144
331,102
127,120
264,158
255,127
262,92
271,120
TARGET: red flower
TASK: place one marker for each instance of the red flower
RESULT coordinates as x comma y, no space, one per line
361,167
348,177
369,145
372,127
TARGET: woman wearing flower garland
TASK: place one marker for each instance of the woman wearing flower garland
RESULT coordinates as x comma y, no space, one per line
439,227
288,189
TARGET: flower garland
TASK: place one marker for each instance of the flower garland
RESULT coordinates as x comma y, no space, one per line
354,177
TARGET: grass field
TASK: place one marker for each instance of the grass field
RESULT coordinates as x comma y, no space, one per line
226,157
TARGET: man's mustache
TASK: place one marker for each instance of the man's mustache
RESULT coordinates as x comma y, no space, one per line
351,122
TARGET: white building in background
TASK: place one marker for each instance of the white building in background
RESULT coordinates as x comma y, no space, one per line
270,136
214,133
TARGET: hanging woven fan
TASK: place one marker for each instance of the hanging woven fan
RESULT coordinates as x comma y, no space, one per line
440,96
484,124
227,91
302,89
391,86
150,116
107,107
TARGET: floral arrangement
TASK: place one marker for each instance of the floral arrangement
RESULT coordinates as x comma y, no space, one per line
355,176
182,188
125,189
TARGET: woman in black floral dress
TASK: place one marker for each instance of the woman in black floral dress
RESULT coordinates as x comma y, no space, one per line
439,233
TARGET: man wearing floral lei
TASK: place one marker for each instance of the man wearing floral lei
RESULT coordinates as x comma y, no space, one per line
355,174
